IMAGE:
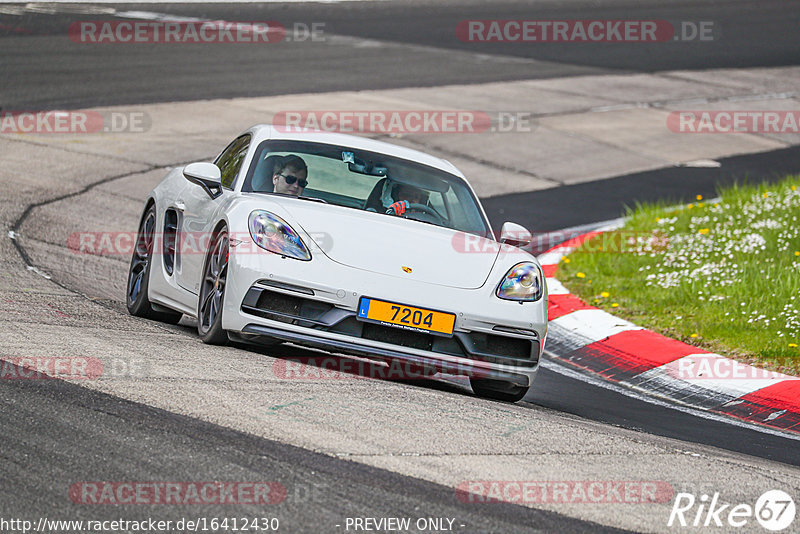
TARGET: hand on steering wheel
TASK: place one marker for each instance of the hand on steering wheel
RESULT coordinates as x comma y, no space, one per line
398,208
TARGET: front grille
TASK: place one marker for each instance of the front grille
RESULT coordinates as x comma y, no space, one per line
279,302
483,344
306,312
508,346
283,307
397,336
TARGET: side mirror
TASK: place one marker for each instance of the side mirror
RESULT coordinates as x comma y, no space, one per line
206,175
515,235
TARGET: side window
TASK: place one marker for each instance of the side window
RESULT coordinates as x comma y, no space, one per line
230,161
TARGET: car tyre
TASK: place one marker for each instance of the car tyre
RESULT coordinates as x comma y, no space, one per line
139,274
489,388
212,290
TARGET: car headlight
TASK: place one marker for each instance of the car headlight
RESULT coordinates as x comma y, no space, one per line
272,233
523,282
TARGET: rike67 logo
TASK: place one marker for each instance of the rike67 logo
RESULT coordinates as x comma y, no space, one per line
774,510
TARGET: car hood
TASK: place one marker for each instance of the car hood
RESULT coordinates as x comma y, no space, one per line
394,246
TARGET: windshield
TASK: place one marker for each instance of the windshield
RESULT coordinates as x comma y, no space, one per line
369,181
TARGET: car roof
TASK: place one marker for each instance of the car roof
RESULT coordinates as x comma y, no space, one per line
264,132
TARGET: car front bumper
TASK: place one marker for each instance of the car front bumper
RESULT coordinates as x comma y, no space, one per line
280,298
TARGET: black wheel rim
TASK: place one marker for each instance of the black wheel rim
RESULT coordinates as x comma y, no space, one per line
213,288
141,257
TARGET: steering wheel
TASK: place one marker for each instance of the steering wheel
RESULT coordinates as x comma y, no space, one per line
426,209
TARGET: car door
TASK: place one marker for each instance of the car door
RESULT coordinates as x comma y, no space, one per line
199,215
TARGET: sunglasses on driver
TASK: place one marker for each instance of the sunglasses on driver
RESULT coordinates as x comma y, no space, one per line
302,182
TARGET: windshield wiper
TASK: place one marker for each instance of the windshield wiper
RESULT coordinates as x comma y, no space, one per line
314,199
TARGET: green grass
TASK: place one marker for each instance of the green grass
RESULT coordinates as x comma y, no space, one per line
724,276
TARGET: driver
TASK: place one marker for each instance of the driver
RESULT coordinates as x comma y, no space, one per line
404,195
289,176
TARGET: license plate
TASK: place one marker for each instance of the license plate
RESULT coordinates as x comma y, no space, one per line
408,317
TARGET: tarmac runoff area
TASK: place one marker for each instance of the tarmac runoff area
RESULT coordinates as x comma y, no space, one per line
586,129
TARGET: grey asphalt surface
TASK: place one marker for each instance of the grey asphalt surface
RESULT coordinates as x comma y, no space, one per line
36,46
579,204
111,439
553,390
56,433
45,320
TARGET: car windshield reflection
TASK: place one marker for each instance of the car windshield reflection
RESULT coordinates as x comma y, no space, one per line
365,181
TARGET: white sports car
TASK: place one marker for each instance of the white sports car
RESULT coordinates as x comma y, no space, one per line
347,244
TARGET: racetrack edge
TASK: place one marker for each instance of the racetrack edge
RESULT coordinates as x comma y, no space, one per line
619,351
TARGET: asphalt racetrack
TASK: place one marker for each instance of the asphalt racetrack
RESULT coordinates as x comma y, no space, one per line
177,410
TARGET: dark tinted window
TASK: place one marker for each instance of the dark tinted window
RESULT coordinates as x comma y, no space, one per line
230,161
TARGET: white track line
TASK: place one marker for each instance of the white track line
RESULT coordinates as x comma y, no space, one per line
593,325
